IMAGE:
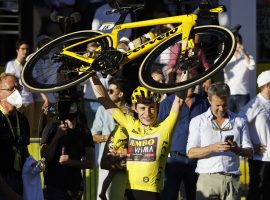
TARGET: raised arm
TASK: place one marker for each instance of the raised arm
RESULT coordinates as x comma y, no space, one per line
48,149
102,95
178,101
45,99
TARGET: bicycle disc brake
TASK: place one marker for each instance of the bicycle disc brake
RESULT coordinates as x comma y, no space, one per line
187,62
107,61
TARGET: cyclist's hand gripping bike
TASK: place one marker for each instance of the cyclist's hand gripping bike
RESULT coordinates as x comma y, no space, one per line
199,51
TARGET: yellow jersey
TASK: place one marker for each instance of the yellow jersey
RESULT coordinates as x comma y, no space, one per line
147,150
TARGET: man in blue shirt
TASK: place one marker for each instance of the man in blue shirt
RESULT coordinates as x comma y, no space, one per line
179,167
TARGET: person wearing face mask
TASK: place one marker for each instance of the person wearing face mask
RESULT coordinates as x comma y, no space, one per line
14,136
28,105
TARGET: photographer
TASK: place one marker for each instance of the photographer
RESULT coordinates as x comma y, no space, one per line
67,149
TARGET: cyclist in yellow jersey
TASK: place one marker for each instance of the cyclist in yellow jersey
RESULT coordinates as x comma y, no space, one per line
149,141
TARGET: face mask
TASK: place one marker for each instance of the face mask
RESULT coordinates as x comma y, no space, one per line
15,99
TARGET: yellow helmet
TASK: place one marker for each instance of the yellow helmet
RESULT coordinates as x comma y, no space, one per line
142,95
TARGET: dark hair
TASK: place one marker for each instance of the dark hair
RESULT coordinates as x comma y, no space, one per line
121,84
20,42
222,90
157,71
43,40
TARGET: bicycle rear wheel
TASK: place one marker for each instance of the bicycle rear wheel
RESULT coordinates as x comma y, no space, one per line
215,48
50,71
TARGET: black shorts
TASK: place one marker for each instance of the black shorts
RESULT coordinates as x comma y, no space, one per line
142,195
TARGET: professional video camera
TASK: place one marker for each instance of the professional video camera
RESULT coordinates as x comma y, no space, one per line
63,109
67,107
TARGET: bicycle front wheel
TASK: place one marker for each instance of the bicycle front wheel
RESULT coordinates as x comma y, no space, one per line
48,70
214,48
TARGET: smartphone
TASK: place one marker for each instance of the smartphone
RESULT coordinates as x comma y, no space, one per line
229,138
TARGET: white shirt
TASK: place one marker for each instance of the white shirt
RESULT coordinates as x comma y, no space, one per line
101,17
236,74
103,124
15,67
257,112
202,133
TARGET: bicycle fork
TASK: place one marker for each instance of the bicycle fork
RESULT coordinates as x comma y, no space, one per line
187,42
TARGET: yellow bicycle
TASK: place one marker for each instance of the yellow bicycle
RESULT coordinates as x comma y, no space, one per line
200,51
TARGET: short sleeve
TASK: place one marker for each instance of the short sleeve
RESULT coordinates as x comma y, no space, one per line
194,139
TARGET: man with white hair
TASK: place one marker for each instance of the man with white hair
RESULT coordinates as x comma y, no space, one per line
257,113
14,138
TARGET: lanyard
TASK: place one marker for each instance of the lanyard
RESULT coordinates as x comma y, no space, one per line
9,123
19,64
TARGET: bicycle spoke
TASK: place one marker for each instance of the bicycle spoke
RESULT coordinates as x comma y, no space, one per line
52,70
199,63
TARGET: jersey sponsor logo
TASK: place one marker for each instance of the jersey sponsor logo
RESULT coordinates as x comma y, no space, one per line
142,149
145,179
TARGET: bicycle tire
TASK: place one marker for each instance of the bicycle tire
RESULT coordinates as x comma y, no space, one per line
60,74
220,36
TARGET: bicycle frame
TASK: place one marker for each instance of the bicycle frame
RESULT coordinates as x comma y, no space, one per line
187,22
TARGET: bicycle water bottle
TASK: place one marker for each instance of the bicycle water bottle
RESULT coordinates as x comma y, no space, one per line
140,40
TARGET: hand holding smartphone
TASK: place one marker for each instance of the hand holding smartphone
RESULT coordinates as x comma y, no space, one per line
229,139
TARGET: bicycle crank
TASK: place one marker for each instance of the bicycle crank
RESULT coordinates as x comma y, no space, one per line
107,61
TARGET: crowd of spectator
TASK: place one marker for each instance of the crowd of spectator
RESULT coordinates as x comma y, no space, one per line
194,141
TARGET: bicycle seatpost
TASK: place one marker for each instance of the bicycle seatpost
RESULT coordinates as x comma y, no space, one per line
236,29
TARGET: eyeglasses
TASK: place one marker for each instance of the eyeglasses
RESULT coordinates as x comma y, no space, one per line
18,87
111,91
227,127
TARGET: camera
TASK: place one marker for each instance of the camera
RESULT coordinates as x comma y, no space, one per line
63,109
